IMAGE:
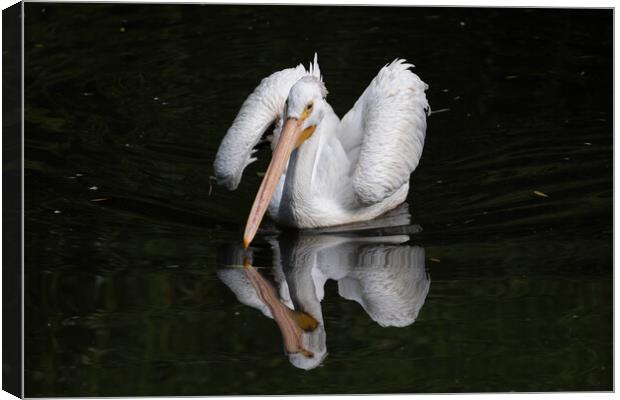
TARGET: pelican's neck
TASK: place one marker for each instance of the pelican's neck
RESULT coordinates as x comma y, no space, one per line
303,181
304,162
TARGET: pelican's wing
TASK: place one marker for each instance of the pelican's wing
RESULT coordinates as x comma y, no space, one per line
263,107
384,132
257,113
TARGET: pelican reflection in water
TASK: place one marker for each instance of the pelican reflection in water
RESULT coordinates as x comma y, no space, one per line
372,262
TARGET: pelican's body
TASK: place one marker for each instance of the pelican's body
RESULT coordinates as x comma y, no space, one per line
326,171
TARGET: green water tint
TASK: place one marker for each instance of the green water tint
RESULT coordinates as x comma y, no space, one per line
126,234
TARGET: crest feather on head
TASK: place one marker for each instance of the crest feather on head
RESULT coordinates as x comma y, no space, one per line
314,75
314,69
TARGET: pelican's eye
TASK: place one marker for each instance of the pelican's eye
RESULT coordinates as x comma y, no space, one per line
307,111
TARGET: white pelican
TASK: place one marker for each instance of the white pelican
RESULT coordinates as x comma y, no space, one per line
325,171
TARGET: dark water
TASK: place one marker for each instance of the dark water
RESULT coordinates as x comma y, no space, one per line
128,242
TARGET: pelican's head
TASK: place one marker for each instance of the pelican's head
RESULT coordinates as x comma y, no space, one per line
304,110
306,103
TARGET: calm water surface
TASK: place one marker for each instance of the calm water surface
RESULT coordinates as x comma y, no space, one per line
133,285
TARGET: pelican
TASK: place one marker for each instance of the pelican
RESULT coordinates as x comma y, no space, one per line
327,171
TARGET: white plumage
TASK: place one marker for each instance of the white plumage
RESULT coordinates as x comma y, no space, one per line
328,171
257,113
392,128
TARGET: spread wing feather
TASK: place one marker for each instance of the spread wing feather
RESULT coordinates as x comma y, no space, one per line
257,113
390,117
262,107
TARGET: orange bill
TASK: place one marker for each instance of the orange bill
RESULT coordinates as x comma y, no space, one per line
286,144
